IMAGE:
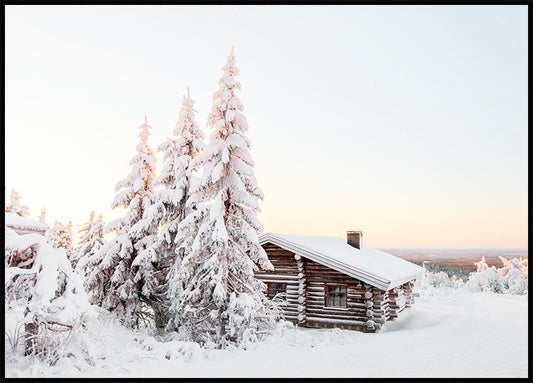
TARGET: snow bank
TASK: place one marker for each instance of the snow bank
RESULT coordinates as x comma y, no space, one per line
450,334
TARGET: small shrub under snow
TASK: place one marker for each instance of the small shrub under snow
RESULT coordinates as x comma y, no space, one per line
511,278
53,307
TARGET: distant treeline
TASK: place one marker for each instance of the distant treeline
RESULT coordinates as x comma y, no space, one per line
440,254
459,272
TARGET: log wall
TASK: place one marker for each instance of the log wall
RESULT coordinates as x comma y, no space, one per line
400,298
285,271
356,314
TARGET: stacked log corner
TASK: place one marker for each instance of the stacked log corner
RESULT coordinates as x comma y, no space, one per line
380,307
302,291
398,300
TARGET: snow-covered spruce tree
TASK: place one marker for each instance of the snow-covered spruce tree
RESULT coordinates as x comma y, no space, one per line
15,206
90,242
40,281
168,208
222,303
42,216
59,236
83,240
116,282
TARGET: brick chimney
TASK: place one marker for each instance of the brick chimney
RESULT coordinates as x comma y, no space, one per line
354,238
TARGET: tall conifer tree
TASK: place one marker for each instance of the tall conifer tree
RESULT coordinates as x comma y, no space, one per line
116,282
222,303
169,208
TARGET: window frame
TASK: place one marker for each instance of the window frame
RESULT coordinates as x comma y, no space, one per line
269,284
326,296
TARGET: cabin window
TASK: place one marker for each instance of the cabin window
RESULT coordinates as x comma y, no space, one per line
275,289
335,296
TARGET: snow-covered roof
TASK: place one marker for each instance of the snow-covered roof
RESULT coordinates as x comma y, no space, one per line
370,265
15,220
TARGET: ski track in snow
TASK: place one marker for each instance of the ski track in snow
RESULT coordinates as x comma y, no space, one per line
451,334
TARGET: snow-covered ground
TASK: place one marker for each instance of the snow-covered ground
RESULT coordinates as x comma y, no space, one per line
447,333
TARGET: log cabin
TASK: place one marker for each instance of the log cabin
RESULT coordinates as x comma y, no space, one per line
326,282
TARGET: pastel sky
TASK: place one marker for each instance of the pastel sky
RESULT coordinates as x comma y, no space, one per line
406,122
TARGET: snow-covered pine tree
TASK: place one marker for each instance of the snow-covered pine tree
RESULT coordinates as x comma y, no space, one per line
90,242
222,302
85,229
42,216
59,236
15,206
168,208
69,237
116,282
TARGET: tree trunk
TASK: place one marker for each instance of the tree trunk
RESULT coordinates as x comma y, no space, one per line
160,318
30,332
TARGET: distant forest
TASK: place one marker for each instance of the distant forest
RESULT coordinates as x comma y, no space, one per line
460,272
458,262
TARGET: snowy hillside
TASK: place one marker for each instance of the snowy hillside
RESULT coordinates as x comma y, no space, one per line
447,333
